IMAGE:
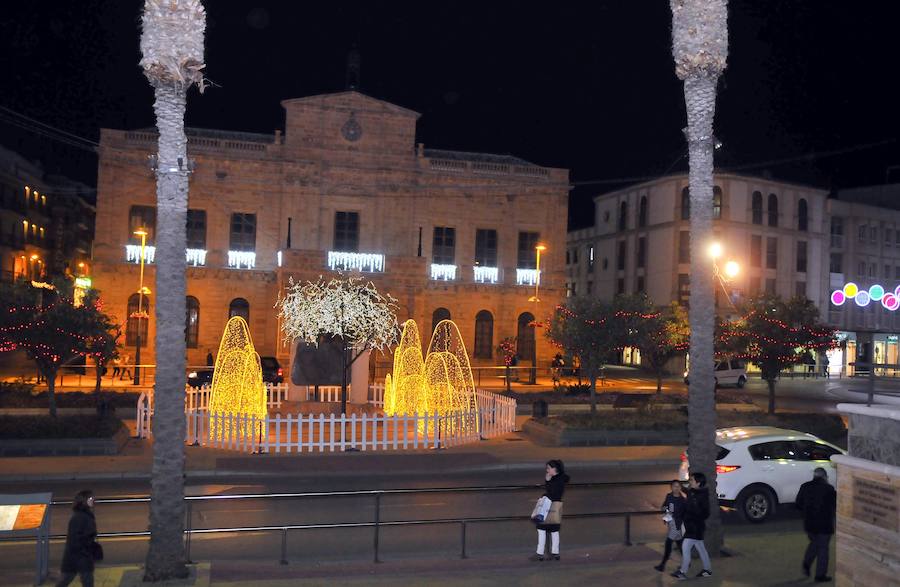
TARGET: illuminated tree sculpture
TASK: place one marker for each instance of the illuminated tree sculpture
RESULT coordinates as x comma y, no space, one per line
405,391
237,385
347,308
440,384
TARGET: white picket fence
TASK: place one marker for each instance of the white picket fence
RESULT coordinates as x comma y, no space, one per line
495,416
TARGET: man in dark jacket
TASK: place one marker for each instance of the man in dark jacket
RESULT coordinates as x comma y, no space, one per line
78,556
817,500
696,510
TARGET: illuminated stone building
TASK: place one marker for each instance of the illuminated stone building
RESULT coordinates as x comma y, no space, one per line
46,221
449,234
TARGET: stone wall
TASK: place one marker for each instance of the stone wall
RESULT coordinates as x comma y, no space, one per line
868,489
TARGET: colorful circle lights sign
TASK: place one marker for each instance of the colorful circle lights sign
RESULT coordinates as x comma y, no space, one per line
862,297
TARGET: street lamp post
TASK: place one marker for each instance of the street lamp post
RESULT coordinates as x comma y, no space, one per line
539,248
140,313
725,274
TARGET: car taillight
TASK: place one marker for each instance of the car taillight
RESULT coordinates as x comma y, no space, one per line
683,457
726,468
280,372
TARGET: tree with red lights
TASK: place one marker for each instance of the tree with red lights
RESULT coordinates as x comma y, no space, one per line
49,327
596,332
661,337
774,334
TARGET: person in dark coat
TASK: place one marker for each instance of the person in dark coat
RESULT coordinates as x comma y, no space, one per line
696,510
78,557
817,500
673,506
555,481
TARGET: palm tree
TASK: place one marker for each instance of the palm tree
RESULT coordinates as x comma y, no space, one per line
700,51
172,60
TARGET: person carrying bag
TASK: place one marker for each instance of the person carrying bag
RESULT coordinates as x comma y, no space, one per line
555,481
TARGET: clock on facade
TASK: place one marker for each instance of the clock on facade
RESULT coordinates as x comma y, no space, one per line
352,131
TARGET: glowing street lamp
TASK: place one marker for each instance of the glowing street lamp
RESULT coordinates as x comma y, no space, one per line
732,269
539,248
140,313
715,250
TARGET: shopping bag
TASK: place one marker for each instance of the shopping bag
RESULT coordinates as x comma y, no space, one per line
541,508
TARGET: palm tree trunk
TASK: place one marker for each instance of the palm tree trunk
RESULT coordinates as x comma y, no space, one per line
700,99
165,557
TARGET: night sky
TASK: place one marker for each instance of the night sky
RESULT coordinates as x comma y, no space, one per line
810,85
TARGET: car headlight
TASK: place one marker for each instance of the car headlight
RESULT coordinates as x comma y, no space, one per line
192,375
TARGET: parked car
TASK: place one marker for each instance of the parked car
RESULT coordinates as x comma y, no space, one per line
198,379
271,370
758,468
271,373
728,372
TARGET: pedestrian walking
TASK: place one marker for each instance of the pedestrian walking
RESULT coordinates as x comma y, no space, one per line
817,500
126,368
673,506
696,510
555,480
209,358
117,367
557,369
82,548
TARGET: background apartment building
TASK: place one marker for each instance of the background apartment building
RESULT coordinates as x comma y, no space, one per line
865,250
640,242
345,187
46,221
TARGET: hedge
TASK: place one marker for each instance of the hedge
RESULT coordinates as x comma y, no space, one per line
87,426
24,395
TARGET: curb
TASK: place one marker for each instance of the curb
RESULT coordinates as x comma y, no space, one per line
215,473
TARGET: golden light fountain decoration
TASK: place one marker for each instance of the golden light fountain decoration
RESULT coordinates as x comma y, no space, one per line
237,385
441,383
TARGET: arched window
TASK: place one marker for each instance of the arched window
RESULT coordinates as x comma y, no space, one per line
757,208
773,210
191,322
137,322
438,315
642,212
623,216
802,215
717,202
239,307
484,335
686,204
525,336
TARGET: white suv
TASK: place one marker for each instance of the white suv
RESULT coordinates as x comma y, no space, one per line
730,372
760,467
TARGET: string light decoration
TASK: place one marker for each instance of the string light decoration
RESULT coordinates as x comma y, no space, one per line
242,259
486,274
443,272
441,384
526,276
237,385
343,261
133,253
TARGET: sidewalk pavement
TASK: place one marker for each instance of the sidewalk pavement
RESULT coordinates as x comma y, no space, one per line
758,559
511,452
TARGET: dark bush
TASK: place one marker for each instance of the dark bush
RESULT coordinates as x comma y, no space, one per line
24,395
88,426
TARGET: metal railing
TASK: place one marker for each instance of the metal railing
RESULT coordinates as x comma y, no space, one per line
377,523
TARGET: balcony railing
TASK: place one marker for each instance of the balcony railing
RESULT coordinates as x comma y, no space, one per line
486,274
526,276
343,261
193,257
443,272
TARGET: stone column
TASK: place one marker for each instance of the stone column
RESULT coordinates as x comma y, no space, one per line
359,379
868,489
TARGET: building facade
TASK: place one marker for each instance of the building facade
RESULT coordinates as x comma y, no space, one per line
640,241
344,187
46,221
864,249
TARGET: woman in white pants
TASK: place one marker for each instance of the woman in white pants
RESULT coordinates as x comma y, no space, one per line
555,480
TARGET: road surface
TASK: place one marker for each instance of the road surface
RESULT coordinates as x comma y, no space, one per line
442,540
